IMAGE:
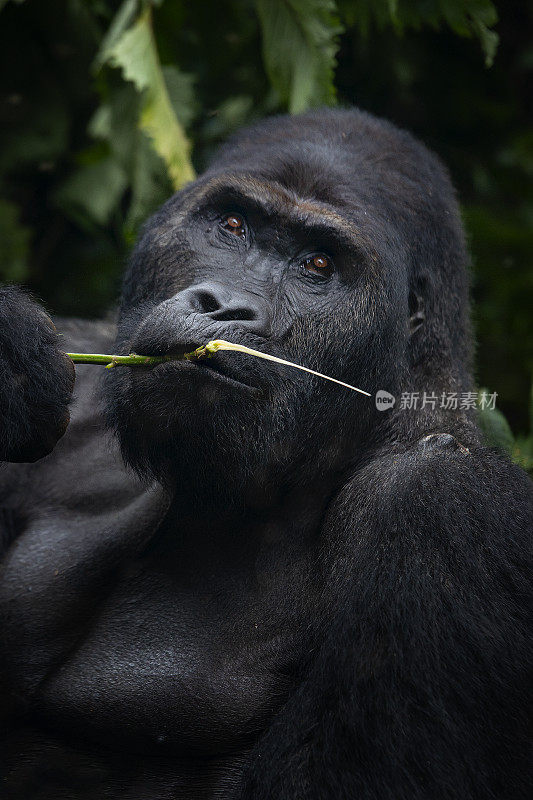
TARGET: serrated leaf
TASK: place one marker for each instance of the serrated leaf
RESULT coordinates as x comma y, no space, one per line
299,47
121,21
465,17
136,55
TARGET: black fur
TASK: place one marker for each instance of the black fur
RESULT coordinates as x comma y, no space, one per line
36,380
296,596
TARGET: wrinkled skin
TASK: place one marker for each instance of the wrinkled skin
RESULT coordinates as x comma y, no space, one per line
250,583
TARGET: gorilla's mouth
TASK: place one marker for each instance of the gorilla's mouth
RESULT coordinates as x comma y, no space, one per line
152,339
215,367
219,369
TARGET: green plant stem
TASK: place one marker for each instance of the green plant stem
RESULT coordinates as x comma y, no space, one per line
132,360
205,351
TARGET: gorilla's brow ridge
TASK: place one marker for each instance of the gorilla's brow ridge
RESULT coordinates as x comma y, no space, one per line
272,197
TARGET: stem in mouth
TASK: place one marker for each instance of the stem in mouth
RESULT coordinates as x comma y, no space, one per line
205,351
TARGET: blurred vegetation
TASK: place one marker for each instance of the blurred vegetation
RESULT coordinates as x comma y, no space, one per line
108,106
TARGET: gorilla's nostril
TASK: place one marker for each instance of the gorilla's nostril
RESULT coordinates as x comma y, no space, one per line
222,310
221,304
235,314
207,303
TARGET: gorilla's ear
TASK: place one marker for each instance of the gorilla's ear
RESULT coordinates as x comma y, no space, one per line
416,311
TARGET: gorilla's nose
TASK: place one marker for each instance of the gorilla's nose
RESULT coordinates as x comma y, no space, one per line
199,313
221,304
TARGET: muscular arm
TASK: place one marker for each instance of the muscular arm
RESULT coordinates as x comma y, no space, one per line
36,380
418,689
74,518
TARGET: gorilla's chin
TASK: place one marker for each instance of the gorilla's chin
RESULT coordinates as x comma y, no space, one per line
162,414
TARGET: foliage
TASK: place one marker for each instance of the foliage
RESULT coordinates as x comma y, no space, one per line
134,50
498,433
299,47
107,106
465,18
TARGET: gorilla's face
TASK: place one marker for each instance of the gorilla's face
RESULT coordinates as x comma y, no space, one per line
291,270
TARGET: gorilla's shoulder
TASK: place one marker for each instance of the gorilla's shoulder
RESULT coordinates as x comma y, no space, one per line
435,493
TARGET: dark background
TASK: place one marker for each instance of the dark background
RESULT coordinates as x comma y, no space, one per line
72,197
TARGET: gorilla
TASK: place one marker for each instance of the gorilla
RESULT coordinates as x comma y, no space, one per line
228,578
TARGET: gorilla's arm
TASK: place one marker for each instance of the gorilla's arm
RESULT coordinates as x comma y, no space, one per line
418,688
67,523
36,380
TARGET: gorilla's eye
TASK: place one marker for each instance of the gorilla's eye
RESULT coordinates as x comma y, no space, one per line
319,264
234,223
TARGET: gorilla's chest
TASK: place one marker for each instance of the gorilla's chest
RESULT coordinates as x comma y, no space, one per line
180,662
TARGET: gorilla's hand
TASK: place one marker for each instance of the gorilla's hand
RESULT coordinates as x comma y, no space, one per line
36,380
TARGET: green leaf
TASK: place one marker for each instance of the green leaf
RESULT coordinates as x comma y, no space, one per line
531,412
91,194
121,21
115,122
99,126
523,451
496,429
15,240
392,6
136,54
149,189
299,47
489,40
5,2
41,138
465,18
180,88
228,116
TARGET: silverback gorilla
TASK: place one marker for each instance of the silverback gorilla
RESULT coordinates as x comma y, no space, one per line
248,583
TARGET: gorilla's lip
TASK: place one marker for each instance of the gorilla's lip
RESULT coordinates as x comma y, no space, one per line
220,371
216,366
211,366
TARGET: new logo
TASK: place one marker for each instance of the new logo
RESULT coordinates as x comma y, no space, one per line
384,400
